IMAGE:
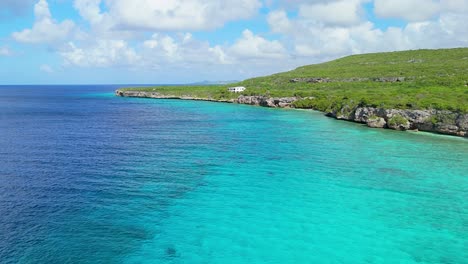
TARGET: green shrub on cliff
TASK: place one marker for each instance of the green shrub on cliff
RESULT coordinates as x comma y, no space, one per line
397,121
307,103
445,118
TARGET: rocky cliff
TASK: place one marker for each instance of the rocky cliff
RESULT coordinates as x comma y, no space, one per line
436,121
280,102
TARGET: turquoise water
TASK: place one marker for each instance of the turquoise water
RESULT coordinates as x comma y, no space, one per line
167,181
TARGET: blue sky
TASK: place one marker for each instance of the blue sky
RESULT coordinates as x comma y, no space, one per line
183,41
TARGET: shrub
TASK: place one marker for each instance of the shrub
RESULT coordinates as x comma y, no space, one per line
397,121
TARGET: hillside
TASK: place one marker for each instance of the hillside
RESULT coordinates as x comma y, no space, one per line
420,89
430,79
425,79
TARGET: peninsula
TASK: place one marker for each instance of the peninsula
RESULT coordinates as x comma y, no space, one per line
424,90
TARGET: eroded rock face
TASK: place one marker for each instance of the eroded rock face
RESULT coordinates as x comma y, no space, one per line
310,80
390,79
362,114
462,122
282,102
399,123
353,79
413,116
446,129
444,122
376,122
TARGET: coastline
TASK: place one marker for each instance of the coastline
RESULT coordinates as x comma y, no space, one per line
430,120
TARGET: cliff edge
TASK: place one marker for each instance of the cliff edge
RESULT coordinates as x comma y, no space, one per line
430,120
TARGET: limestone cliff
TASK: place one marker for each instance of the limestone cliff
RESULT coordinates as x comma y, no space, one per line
437,121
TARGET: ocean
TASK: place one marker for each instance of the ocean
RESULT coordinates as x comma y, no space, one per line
87,177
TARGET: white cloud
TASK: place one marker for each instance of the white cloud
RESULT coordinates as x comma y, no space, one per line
101,53
418,10
411,10
46,68
279,22
163,15
45,28
318,41
5,51
89,10
457,6
337,13
154,34
181,50
251,46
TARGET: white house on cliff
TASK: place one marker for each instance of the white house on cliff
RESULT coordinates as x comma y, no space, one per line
237,89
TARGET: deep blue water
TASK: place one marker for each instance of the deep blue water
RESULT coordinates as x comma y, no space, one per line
86,177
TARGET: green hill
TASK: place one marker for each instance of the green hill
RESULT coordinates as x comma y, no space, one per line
419,79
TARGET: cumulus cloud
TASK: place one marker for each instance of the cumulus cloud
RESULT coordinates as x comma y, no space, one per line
90,10
181,50
186,49
411,10
418,10
457,6
177,52
336,13
316,40
279,22
118,44
251,46
176,15
154,35
101,53
45,28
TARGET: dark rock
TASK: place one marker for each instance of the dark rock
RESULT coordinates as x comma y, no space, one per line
354,79
390,79
282,102
310,80
462,122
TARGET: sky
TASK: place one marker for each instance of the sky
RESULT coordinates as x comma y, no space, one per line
185,41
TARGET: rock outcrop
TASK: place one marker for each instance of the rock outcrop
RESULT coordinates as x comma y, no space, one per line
353,79
156,95
281,102
390,79
310,80
437,121
376,122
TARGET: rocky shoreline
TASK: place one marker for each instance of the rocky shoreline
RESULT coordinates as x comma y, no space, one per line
435,121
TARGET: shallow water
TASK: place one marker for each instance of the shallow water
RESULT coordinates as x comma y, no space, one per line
86,177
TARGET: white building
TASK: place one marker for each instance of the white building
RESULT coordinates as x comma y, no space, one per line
237,89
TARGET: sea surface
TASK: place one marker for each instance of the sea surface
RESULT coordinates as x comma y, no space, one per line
87,177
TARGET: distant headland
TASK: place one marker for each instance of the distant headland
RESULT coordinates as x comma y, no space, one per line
424,90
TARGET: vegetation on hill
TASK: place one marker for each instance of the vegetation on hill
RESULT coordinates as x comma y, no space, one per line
419,79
